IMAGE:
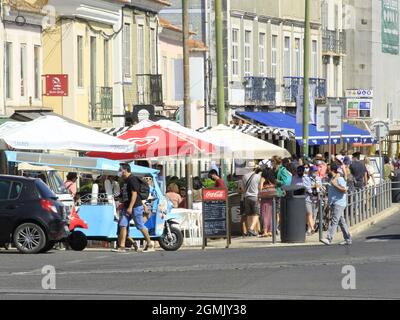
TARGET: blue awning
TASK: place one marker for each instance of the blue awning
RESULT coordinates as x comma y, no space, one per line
350,134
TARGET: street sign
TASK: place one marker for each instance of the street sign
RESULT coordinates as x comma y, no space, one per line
359,108
334,121
380,130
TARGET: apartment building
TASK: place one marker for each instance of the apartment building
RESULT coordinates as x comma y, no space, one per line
264,46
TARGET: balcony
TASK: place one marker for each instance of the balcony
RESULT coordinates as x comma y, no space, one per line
149,88
101,110
260,90
333,42
291,87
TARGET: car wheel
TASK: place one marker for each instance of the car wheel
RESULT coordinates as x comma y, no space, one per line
29,238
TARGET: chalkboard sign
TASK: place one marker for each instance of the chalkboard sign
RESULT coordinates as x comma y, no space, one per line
215,214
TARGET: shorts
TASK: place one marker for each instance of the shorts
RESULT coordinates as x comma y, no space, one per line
312,207
251,207
137,216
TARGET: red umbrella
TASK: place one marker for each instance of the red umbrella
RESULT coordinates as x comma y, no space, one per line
155,141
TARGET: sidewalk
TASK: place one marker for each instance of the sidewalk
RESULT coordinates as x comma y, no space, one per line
254,242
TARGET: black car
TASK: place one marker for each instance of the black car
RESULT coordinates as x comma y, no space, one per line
30,216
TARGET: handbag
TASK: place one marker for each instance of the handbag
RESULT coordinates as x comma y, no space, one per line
268,192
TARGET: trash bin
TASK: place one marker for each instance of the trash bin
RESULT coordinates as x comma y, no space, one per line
396,187
293,215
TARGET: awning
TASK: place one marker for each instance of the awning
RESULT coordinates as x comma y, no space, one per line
350,134
256,130
72,164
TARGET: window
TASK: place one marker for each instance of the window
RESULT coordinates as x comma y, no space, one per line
126,50
106,63
274,55
165,76
23,70
140,49
298,56
247,53
4,189
79,47
36,54
314,59
8,69
235,52
153,51
16,189
286,58
261,53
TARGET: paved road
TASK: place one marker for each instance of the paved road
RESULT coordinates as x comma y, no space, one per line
288,273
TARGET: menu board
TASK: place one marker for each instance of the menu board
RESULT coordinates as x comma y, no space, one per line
215,213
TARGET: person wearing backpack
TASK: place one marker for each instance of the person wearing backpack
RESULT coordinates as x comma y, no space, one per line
134,192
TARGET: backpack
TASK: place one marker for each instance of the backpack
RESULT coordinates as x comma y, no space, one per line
144,190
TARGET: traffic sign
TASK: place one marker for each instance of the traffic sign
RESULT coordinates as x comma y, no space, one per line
380,130
334,121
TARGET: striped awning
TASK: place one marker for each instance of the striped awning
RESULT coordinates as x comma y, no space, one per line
115,131
270,132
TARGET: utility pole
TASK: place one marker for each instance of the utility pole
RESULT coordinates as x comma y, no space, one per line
186,99
220,63
307,53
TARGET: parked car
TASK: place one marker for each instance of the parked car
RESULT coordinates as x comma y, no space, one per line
31,217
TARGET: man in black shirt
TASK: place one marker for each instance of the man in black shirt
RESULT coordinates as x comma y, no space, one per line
133,209
359,171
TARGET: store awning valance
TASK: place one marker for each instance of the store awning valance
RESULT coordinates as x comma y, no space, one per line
350,134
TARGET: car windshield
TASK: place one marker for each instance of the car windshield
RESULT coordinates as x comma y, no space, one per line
44,190
56,183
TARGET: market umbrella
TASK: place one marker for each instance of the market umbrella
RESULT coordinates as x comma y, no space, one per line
238,145
55,133
155,140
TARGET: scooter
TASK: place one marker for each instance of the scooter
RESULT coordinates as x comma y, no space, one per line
76,239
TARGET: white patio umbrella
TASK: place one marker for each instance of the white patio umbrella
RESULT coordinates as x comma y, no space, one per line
55,133
238,145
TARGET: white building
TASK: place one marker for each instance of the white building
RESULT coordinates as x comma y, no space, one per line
22,56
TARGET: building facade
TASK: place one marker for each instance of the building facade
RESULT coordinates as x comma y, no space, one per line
373,53
171,55
21,53
264,50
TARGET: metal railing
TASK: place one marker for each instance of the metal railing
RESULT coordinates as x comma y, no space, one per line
259,90
366,203
101,109
292,84
334,42
149,89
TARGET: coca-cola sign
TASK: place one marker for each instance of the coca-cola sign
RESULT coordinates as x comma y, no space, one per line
211,194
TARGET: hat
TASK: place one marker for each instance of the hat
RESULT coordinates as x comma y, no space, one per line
346,160
319,157
313,168
340,158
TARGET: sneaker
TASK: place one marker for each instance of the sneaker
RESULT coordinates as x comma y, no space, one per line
149,248
326,241
252,233
119,250
346,243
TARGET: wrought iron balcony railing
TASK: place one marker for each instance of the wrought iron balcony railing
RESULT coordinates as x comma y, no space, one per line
291,87
149,88
334,42
260,90
101,110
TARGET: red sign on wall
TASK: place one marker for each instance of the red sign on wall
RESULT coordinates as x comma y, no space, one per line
56,85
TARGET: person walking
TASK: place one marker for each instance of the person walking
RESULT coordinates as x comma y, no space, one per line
359,172
251,182
267,193
337,194
313,184
132,209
